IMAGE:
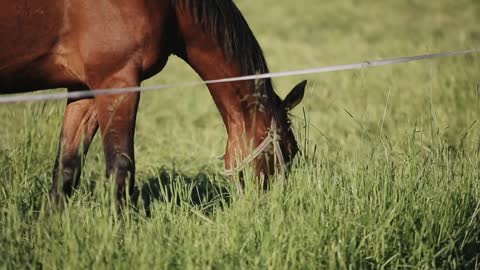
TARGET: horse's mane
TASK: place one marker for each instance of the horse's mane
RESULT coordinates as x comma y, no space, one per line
227,25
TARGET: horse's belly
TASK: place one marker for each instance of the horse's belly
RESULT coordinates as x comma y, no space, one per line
39,74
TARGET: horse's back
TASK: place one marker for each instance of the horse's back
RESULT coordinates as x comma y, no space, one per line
65,43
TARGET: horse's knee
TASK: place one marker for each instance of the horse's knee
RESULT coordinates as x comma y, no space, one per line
67,171
122,168
120,163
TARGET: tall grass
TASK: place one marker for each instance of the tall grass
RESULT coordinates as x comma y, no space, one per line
388,176
418,208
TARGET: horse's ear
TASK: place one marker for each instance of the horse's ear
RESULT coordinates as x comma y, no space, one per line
295,96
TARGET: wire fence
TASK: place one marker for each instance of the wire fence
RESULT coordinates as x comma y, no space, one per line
21,98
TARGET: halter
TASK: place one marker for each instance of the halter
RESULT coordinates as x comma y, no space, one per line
272,138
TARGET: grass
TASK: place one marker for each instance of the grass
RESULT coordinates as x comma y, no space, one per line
389,176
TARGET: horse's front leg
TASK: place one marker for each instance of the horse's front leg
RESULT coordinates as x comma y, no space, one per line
78,129
117,117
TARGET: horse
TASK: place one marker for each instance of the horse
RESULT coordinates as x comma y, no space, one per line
100,44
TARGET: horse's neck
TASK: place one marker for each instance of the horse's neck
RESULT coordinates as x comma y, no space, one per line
236,100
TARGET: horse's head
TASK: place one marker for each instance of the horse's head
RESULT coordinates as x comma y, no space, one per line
276,145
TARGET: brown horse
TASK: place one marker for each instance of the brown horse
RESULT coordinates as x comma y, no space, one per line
92,44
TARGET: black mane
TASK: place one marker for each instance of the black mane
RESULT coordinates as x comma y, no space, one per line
229,28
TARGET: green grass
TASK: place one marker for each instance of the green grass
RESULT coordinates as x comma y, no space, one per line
389,176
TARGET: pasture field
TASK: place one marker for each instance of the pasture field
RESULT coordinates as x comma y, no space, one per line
389,175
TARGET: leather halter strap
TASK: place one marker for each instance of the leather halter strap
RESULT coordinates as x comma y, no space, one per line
272,138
